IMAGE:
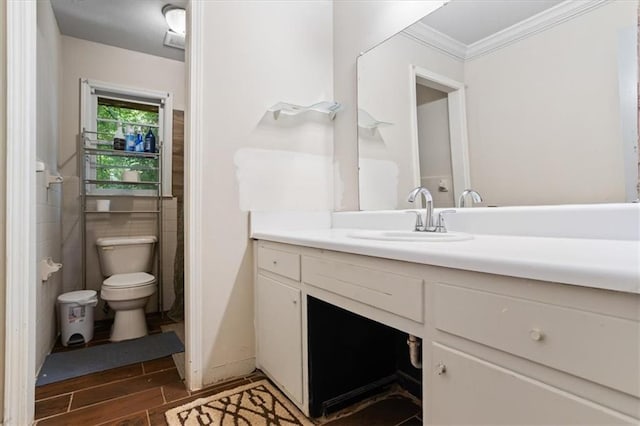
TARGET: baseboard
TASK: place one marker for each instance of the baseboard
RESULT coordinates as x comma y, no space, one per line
363,392
219,373
409,383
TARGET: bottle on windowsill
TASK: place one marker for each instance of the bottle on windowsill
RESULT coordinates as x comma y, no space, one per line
150,142
139,140
130,138
118,139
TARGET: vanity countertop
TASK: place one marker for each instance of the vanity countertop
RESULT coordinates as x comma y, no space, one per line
599,263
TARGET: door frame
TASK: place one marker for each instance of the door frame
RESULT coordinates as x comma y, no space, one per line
194,186
458,139
20,297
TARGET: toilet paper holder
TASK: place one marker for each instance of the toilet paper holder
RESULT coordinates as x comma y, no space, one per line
48,177
48,267
51,179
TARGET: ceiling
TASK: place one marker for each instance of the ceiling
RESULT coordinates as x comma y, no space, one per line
140,26
469,21
135,25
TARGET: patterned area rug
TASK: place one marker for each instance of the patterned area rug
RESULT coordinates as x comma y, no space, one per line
255,404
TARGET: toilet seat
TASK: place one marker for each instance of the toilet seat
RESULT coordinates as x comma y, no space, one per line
132,280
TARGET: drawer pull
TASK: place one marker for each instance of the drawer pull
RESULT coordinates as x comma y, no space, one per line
275,262
536,334
441,369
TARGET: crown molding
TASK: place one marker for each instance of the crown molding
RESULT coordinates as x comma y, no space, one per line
433,38
542,21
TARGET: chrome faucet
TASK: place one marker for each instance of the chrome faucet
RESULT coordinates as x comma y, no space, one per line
428,206
475,197
441,224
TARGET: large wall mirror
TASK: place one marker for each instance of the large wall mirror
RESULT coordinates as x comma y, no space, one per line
528,102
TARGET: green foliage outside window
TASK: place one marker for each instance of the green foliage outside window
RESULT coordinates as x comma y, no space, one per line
111,167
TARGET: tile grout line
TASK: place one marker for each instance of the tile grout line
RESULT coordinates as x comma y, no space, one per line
123,417
58,395
69,410
160,370
125,395
105,383
91,387
195,393
148,417
121,397
70,402
56,414
405,420
103,402
189,393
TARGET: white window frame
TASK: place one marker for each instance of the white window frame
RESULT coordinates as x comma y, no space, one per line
90,91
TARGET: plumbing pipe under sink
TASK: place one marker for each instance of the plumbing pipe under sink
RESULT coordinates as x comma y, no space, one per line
414,351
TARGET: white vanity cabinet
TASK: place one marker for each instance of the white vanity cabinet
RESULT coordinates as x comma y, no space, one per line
495,350
515,351
279,319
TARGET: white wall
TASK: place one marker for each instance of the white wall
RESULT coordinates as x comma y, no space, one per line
357,27
255,55
385,92
89,60
49,201
555,139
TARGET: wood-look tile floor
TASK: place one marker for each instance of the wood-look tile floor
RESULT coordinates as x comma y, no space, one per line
136,394
139,394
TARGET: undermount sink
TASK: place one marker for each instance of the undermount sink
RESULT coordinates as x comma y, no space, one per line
411,236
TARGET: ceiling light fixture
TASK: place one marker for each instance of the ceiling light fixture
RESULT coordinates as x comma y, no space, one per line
176,18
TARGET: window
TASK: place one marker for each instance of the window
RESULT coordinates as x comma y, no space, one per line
105,107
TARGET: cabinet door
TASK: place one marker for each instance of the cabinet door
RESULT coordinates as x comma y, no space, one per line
468,390
279,334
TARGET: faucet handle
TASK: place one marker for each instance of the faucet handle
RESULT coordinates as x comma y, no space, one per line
419,225
441,226
475,196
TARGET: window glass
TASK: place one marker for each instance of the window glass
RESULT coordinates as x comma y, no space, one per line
141,117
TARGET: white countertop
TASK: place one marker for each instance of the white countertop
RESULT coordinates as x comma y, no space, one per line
610,264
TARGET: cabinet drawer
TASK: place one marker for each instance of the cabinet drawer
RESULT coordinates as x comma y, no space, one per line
467,390
279,262
391,292
600,348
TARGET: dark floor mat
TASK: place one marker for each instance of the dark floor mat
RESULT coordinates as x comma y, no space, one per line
66,365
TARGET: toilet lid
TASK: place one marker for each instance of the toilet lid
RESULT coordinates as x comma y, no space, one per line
135,279
124,241
81,297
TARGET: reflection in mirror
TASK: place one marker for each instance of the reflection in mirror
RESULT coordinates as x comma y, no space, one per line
528,102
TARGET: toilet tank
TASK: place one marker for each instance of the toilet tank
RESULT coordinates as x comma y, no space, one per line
122,255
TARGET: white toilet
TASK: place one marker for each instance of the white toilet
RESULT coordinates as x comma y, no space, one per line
127,261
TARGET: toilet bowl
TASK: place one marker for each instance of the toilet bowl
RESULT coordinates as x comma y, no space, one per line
127,261
127,295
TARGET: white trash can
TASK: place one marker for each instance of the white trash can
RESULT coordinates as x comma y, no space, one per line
76,316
